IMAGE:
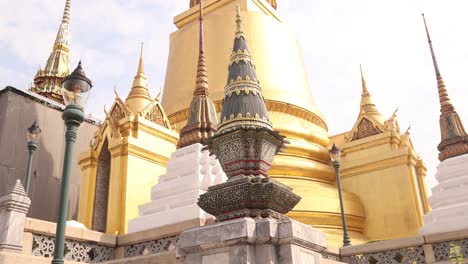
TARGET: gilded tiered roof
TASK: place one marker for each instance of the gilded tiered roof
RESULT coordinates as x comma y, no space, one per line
48,81
243,103
202,121
454,140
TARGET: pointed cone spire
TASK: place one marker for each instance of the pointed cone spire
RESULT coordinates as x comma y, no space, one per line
445,103
202,120
368,108
454,140
66,12
139,96
243,104
48,81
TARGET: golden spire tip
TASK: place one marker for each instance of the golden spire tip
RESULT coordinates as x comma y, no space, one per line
141,68
363,82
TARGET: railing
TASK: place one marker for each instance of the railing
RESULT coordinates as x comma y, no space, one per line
436,248
81,245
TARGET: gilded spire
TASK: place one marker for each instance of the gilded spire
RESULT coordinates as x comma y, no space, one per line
48,81
139,96
202,121
454,140
368,108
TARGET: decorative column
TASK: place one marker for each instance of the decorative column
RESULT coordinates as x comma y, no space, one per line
13,208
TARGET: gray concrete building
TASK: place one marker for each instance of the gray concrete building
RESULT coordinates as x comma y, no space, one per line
18,110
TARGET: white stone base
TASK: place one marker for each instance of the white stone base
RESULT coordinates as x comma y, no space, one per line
190,172
449,200
246,240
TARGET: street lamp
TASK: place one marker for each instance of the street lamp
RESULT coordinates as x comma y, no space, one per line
75,91
335,155
34,133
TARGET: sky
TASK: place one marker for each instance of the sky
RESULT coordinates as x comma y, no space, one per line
386,37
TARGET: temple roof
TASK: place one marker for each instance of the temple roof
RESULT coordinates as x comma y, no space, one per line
243,103
454,140
202,119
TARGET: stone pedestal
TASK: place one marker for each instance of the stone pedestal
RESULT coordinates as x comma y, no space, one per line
190,172
449,200
253,241
13,208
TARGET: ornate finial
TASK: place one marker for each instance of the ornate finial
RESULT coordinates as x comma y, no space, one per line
201,85
115,91
141,68
202,35
407,131
202,122
363,81
445,103
454,140
139,97
239,28
66,12
368,108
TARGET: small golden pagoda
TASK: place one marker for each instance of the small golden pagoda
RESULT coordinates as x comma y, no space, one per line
380,165
48,81
130,150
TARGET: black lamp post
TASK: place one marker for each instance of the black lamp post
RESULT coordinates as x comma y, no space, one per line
75,91
34,133
335,155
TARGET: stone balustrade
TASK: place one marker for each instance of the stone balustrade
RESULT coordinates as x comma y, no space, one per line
434,248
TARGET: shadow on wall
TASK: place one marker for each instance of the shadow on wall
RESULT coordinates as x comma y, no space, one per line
17,113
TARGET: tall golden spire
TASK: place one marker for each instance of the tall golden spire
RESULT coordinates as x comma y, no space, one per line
139,97
48,81
368,108
202,120
454,140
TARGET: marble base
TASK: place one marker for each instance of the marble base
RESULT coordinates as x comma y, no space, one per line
449,200
254,241
190,172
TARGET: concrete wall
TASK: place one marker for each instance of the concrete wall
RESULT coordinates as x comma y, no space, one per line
18,110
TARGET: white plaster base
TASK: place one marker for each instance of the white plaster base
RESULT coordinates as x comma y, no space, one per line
449,200
246,240
190,172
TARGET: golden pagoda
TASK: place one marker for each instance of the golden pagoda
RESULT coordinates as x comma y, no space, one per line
130,150
48,81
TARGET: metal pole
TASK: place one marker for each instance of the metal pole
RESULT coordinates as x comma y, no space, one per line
31,147
73,116
346,240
